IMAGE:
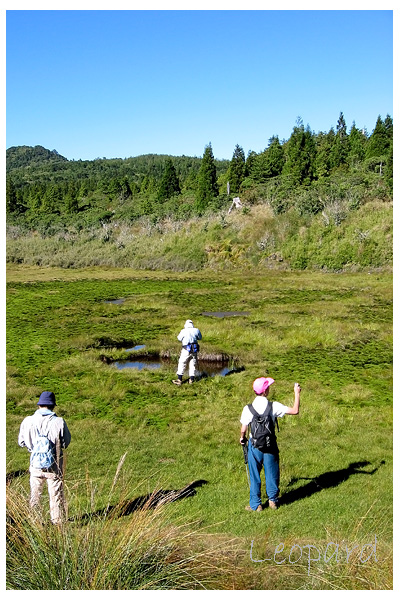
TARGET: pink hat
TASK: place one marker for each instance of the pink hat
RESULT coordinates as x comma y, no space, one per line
261,384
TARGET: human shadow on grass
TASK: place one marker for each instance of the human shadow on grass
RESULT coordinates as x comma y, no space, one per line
324,481
14,474
154,500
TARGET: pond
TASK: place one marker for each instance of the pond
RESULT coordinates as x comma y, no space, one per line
138,347
205,368
115,301
222,314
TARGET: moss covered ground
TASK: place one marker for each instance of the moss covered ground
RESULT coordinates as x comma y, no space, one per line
331,332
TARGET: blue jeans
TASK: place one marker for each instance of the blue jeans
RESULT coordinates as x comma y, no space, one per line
257,460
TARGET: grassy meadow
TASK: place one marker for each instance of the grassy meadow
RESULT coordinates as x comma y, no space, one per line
137,438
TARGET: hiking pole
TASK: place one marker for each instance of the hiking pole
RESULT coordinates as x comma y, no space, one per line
245,454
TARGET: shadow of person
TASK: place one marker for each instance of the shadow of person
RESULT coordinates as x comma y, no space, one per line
14,474
153,500
324,481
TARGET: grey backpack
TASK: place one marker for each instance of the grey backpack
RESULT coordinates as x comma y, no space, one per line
43,455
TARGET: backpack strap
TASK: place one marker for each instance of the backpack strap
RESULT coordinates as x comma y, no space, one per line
253,410
39,426
264,414
255,413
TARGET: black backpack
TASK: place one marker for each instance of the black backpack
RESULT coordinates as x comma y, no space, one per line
262,429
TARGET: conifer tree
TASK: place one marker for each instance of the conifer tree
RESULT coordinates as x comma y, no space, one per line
323,159
169,183
300,150
341,145
236,171
71,198
275,158
250,162
389,168
357,145
207,188
11,196
380,139
270,162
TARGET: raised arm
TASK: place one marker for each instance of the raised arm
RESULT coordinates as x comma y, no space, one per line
294,410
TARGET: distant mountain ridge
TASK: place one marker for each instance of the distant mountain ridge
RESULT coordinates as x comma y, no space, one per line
23,156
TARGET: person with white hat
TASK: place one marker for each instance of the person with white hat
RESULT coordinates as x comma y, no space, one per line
45,436
189,336
263,451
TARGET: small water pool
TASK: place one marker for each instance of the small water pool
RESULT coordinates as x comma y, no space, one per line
138,347
205,368
115,301
228,313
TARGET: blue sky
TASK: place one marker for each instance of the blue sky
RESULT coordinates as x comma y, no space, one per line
101,83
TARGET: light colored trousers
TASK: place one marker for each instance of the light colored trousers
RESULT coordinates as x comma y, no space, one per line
185,358
55,486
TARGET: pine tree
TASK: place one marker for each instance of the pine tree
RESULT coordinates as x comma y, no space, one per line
71,198
388,123
207,188
300,150
323,159
250,162
169,183
236,171
14,198
11,196
380,139
341,146
357,145
275,158
389,168
269,163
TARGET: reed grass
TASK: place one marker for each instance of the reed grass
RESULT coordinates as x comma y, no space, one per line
256,237
106,550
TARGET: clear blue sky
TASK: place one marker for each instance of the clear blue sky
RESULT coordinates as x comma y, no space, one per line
122,83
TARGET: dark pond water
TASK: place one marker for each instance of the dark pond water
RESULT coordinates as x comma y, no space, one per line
205,368
139,347
222,314
116,301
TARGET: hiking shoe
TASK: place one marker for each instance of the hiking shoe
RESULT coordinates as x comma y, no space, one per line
191,380
258,509
177,381
272,505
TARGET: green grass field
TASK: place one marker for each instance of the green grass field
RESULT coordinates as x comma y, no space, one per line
330,332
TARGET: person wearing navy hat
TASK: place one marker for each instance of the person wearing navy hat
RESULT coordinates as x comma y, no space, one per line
260,416
45,436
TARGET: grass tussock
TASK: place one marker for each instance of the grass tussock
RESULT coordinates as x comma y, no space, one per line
106,550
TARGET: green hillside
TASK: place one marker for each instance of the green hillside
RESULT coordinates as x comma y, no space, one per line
313,201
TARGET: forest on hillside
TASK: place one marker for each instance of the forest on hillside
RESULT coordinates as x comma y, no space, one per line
47,192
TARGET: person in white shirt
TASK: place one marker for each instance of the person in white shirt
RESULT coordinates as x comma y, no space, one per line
44,423
267,457
189,336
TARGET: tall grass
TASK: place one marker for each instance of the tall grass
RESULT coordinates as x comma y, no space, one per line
336,239
111,550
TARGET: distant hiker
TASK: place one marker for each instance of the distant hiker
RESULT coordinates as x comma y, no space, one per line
189,337
236,203
45,435
263,450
